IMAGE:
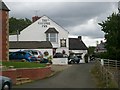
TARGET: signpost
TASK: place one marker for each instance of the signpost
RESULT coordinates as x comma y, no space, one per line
118,23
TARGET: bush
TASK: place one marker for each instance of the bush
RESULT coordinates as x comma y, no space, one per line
102,55
86,58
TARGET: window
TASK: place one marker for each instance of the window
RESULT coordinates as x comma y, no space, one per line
52,37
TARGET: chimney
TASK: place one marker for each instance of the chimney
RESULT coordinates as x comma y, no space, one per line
35,18
80,37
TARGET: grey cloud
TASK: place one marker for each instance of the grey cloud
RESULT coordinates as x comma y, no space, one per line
77,13
67,14
89,33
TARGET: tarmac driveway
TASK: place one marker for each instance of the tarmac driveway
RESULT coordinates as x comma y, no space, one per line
75,76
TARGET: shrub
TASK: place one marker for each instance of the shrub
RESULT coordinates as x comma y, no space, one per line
86,58
103,55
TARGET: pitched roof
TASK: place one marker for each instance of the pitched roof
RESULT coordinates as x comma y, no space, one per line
101,46
30,45
3,6
51,30
76,44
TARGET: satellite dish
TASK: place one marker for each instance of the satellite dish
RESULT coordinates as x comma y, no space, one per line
119,5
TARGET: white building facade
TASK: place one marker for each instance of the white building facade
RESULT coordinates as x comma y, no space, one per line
45,29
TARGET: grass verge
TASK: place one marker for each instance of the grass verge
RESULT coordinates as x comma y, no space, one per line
23,64
100,82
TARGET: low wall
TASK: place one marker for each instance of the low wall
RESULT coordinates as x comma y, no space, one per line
61,61
33,74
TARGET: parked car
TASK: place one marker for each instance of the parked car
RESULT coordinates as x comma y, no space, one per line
20,55
36,53
58,55
65,55
5,83
73,59
92,57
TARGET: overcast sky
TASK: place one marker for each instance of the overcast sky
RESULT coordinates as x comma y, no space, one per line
79,18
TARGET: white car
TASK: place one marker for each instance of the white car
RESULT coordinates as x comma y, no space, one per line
5,83
36,53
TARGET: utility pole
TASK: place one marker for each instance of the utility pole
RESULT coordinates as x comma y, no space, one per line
119,28
36,12
17,35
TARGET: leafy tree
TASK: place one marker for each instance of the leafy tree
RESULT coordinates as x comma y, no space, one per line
18,24
111,27
91,50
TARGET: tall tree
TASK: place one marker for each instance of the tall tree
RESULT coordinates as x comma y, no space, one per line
17,24
91,50
111,27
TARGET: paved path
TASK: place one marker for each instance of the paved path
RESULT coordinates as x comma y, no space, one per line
75,76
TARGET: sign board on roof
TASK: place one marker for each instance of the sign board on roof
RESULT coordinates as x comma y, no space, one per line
44,22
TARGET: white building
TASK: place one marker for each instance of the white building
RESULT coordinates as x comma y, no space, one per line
77,46
45,29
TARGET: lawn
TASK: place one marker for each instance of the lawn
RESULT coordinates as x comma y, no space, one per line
23,64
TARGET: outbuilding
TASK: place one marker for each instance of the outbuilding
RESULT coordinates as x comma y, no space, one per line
77,46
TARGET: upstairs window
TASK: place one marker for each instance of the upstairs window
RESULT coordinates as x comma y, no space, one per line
52,37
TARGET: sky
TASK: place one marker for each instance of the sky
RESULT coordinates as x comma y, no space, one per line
78,18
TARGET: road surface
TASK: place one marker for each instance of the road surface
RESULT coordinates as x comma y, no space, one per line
75,76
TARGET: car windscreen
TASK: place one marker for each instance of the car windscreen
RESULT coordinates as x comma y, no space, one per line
34,53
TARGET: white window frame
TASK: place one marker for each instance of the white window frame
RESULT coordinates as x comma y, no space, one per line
49,38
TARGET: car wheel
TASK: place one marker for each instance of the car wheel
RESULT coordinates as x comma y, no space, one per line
72,62
78,62
6,86
68,62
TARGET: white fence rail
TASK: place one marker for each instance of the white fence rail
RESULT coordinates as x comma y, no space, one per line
110,69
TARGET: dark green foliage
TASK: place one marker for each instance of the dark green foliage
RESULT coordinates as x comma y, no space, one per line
111,27
91,50
17,24
86,58
102,55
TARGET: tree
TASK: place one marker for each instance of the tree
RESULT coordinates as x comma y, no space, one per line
111,27
17,24
91,50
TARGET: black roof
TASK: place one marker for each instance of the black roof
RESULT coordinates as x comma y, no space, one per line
3,6
76,44
30,45
51,30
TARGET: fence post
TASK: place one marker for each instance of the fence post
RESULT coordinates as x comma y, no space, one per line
117,68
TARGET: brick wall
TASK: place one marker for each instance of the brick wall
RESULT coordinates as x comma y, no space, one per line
0,35
33,74
4,32
11,74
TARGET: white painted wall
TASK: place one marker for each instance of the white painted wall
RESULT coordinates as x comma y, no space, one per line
13,38
60,61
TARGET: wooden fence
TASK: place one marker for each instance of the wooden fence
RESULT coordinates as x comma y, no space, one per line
109,70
